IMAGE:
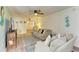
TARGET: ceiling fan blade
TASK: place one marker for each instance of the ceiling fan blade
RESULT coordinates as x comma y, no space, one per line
41,13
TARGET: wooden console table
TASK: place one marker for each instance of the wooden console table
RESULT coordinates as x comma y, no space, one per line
11,40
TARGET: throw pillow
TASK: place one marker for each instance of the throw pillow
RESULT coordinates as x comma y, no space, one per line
69,36
47,40
53,38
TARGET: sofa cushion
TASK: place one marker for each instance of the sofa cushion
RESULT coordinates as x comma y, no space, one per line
58,35
69,36
41,47
63,39
53,38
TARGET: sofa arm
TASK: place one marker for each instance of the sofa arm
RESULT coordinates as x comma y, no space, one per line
66,47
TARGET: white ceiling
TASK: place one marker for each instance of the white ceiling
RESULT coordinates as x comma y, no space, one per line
28,10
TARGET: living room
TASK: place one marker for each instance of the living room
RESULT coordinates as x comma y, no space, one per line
39,28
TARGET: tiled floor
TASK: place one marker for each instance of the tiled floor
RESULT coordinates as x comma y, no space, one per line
25,44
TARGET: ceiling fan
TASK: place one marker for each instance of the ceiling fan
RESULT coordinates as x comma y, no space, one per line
38,12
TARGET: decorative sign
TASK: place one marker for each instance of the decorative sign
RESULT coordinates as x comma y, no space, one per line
2,17
1,20
67,22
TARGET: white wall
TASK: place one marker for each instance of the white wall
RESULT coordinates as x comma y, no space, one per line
56,21
21,27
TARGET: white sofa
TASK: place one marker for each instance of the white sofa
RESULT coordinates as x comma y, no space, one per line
41,33
67,47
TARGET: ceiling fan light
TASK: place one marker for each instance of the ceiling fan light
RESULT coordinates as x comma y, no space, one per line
36,14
